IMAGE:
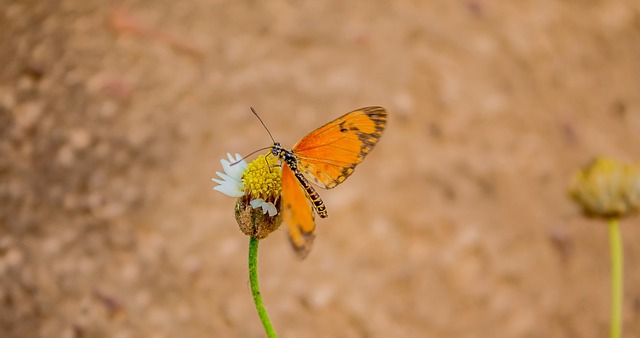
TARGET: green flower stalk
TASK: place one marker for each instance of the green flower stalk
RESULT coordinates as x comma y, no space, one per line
255,288
257,186
610,190
615,243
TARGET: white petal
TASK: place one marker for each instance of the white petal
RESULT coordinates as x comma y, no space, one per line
255,203
229,190
228,185
226,165
230,181
271,209
267,207
235,170
228,178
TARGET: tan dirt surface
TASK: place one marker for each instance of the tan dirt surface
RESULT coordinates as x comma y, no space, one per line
114,116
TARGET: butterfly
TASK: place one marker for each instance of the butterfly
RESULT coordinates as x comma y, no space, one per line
325,157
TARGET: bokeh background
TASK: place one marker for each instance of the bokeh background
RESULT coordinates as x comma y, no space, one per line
114,115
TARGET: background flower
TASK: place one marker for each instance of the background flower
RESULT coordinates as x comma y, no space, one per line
606,188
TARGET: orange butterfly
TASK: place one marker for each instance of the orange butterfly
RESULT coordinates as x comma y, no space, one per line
325,157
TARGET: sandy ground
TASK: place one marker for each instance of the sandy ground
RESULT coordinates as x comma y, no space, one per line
113,118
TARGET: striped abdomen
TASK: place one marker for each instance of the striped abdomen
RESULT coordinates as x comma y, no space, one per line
313,195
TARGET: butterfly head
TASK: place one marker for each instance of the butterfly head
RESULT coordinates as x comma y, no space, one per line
277,150
286,155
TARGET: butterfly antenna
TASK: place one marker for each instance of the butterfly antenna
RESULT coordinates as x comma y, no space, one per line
251,153
265,127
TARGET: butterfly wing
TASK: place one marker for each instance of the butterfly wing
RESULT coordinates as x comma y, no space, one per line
297,213
329,154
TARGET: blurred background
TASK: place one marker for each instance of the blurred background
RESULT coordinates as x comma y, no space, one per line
114,116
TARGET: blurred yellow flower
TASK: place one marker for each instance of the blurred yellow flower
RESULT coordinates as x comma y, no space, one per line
607,188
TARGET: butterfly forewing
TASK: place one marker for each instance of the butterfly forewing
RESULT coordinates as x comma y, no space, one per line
329,154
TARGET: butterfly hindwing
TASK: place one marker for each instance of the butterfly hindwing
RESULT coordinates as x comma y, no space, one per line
329,154
297,213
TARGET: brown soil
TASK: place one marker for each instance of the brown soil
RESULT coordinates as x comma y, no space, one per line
113,119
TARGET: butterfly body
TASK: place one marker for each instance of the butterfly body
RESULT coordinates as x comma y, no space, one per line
325,157
290,160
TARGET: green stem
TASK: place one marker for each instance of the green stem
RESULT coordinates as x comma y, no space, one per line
616,278
255,288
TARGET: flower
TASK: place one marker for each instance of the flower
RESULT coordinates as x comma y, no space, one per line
607,188
257,186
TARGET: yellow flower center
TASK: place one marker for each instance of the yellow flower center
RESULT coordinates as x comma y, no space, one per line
263,178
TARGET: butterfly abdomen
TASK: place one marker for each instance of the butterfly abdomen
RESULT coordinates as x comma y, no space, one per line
318,204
